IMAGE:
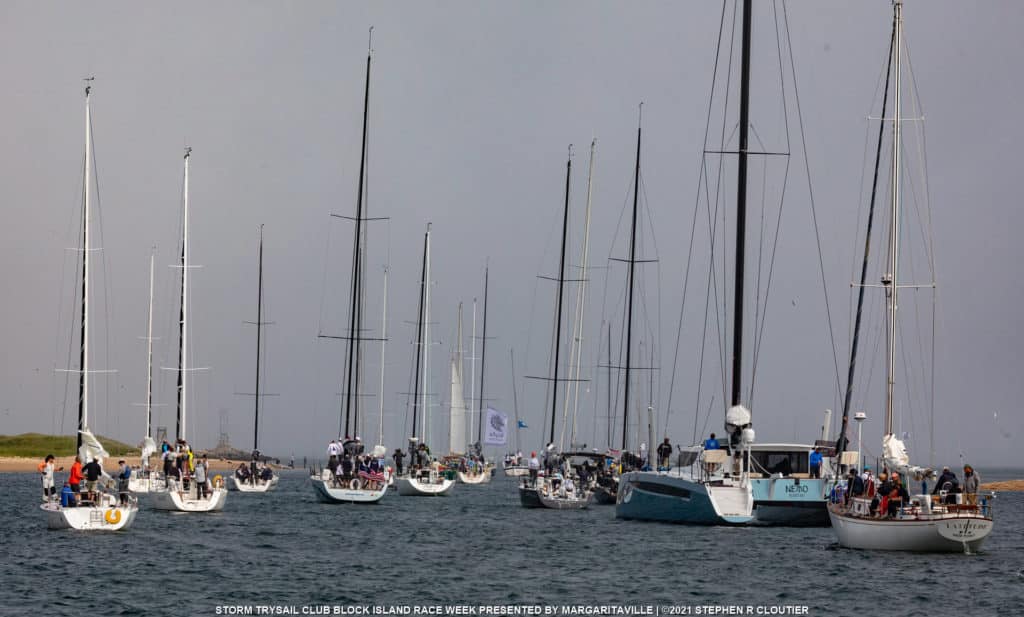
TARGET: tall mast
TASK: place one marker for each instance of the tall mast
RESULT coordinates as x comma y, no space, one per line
841,441
515,396
561,288
632,284
149,353
426,341
890,281
457,419
741,210
83,379
259,328
576,348
182,321
483,359
383,342
419,335
472,370
355,311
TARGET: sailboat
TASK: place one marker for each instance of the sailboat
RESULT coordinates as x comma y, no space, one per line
512,465
933,524
176,496
146,478
550,489
257,480
477,469
423,476
106,512
716,490
332,486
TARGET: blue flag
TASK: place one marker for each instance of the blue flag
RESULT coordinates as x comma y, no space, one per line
521,424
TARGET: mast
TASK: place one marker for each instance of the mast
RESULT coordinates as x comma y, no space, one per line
182,321
472,371
419,338
83,380
426,341
149,354
576,352
457,420
561,288
355,310
632,284
483,359
841,441
741,210
515,396
259,328
891,280
383,342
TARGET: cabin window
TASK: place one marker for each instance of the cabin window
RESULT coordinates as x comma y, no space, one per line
786,463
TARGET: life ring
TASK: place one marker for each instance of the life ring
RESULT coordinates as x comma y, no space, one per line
218,481
354,484
113,516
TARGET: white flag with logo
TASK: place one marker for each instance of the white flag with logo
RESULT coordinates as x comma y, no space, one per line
496,428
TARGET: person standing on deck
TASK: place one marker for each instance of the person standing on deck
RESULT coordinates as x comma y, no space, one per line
972,482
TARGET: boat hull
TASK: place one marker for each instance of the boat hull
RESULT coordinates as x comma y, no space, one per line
257,487
88,518
413,487
516,471
529,497
330,494
657,496
790,502
941,534
146,485
484,477
175,500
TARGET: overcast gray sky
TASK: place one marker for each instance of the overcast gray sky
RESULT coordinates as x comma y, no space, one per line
472,108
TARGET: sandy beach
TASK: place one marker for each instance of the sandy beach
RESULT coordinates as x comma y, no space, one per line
18,464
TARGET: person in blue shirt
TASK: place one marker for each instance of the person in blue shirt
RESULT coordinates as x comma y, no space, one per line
711,443
815,461
67,496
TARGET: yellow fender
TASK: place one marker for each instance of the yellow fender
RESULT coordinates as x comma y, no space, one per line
218,481
113,516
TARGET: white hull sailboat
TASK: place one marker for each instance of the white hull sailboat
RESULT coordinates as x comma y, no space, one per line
256,482
423,477
174,495
106,513
145,479
330,485
481,475
428,484
179,499
515,471
259,486
924,523
329,490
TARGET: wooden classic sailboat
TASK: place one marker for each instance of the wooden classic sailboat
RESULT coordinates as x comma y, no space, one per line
178,495
423,477
333,485
927,523
106,512
259,479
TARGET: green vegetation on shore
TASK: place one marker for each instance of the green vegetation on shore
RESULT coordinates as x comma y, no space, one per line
32,445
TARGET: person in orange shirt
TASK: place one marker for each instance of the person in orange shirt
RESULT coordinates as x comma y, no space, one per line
76,477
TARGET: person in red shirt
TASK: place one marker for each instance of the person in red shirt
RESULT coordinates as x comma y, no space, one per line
76,477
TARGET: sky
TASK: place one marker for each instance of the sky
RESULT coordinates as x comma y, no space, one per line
472,109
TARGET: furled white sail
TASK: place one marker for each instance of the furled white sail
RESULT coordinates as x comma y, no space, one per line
457,423
148,447
91,447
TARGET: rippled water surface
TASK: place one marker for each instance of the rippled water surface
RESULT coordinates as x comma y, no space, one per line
475,546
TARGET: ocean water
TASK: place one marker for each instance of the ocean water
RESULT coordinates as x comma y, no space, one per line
477,546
